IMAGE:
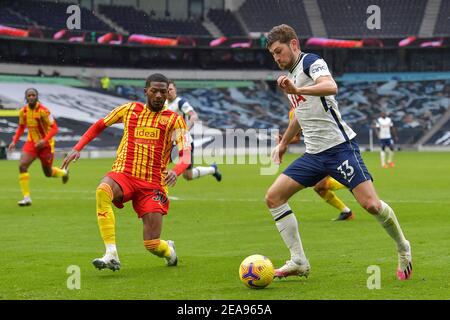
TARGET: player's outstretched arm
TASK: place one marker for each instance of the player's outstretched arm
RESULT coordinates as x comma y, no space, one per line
51,133
87,137
72,156
19,133
183,163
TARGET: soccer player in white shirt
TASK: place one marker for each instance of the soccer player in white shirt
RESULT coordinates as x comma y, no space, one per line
183,108
330,150
384,125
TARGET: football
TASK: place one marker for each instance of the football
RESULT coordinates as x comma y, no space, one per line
256,271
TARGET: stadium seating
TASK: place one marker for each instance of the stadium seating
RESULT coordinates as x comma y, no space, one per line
262,15
139,22
442,137
238,107
413,106
227,23
39,12
8,18
348,18
127,17
442,27
176,27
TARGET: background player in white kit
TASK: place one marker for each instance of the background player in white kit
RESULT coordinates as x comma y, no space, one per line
330,150
384,125
183,108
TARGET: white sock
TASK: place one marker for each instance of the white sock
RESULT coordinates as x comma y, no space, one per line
346,210
390,155
111,248
198,172
386,217
287,225
383,156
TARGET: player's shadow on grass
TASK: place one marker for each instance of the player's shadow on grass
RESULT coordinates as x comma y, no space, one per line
290,280
137,272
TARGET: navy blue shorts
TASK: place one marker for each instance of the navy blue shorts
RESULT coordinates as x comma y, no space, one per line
342,162
386,143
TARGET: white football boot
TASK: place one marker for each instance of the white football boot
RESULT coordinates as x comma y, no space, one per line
26,201
172,261
110,260
404,270
293,269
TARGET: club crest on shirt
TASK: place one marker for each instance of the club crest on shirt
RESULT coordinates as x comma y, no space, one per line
164,120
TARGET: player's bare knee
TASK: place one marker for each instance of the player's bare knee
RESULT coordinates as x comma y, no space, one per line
372,206
321,190
273,200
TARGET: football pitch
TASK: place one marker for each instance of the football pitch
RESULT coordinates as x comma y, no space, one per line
215,226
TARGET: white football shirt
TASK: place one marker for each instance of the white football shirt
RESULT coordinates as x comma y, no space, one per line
319,117
384,124
180,106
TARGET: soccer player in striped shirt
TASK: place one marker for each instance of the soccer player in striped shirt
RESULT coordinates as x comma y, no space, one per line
139,172
39,144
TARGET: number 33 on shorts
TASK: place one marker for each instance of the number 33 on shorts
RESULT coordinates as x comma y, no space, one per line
347,171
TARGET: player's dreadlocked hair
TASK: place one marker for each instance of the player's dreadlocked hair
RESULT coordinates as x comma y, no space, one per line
156,77
32,89
282,33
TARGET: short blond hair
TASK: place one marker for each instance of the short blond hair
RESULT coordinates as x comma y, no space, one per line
282,33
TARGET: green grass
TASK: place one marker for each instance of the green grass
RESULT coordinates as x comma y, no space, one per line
215,226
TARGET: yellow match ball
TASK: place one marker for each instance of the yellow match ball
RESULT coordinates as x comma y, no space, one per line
256,271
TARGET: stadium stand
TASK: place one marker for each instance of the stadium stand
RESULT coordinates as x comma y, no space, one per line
39,11
262,15
129,18
414,106
178,27
136,21
442,27
70,131
442,137
348,18
10,18
227,23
